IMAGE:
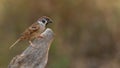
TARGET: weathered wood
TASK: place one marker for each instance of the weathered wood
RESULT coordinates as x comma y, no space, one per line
34,57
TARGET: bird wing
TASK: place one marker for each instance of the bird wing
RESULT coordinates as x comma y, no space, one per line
27,33
32,29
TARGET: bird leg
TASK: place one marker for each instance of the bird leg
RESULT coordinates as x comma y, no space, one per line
40,36
31,44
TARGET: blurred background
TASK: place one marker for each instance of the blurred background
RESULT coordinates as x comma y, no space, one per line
87,31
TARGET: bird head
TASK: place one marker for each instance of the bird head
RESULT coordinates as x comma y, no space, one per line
44,20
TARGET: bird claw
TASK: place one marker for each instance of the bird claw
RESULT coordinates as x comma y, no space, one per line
31,44
40,36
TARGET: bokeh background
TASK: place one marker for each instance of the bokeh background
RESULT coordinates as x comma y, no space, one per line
87,32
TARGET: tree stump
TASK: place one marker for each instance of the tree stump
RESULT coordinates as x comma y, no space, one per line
34,57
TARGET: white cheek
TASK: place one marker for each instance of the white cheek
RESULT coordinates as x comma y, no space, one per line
41,24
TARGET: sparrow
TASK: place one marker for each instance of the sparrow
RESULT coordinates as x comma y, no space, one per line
34,30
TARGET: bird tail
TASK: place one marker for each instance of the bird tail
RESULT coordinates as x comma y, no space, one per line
14,44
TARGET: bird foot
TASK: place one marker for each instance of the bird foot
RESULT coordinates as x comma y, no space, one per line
40,37
31,44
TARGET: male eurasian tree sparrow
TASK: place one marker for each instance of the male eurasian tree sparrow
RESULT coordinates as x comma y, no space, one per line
34,30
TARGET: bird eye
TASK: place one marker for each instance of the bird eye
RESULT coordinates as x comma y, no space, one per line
43,21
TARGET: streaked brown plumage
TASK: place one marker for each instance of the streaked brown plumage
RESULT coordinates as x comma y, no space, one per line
31,32
34,30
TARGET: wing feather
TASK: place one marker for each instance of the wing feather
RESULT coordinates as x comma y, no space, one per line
31,30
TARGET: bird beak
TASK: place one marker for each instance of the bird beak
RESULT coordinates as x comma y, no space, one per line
49,21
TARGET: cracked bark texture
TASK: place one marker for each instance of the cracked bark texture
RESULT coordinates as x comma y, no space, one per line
34,57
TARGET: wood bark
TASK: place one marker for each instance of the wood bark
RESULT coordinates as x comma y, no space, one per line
37,56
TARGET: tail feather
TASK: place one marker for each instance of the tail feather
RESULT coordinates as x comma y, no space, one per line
14,44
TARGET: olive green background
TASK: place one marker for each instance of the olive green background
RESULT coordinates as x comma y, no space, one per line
87,32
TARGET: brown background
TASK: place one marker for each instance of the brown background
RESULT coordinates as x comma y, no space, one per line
87,32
